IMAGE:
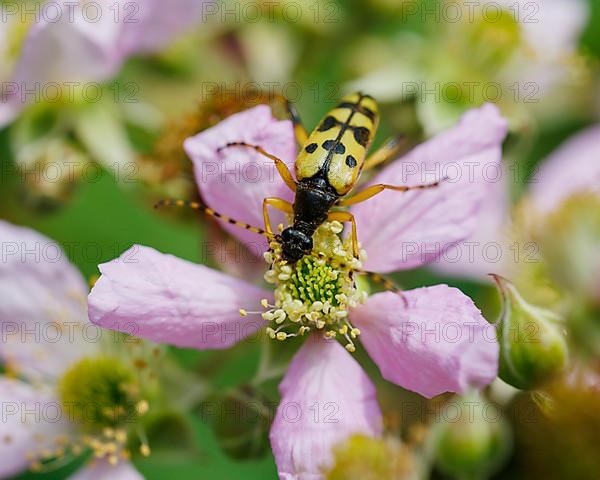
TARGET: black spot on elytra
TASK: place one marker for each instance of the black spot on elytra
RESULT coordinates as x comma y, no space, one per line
351,161
328,123
357,107
352,106
311,148
367,112
361,135
328,144
337,147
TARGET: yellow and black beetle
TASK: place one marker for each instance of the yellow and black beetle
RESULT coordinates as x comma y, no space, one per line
327,168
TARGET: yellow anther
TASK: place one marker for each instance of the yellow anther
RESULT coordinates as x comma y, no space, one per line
243,312
145,450
142,407
351,348
304,330
110,447
121,436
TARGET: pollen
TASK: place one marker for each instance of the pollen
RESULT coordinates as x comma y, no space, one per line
102,397
315,293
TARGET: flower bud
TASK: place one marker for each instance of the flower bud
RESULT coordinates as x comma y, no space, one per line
475,442
533,349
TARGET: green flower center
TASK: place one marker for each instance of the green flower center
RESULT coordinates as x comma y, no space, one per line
102,397
474,51
313,281
316,292
99,392
501,35
364,457
569,240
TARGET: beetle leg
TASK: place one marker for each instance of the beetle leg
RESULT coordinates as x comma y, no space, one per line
391,149
299,129
282,168
277,203
380,187
347,217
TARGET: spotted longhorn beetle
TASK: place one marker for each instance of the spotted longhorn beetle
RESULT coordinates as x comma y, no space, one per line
327,168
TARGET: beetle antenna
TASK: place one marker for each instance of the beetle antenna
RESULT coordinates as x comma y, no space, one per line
211,213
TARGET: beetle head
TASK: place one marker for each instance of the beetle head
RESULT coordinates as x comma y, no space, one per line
295,244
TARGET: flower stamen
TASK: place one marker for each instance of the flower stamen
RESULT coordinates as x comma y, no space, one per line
316,292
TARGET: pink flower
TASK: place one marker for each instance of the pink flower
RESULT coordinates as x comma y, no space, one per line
572,171
76,44
488,249
42,316
572,168
435,342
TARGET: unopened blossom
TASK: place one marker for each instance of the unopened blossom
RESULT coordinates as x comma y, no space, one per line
177,302
533,347
72,391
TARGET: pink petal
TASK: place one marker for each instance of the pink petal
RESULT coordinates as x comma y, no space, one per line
168,300
102,470
71,44
43,308
439,343
487,250
66,50
235,181
405,230
558,27
31,420
158,23
573,167
325,398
